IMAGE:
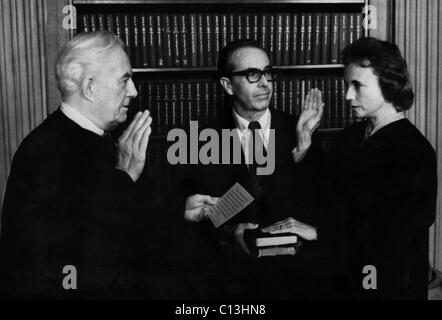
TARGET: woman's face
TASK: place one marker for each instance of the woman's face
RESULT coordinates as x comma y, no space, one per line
363,92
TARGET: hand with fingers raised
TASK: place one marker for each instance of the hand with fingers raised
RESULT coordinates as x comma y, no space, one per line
198,206
291,225
132,145
309,119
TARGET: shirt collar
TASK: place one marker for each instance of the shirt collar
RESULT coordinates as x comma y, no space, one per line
243,124
80,119
387,120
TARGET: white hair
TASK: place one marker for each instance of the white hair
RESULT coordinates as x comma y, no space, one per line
79,55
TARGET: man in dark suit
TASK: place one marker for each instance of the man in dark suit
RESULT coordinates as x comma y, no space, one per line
284,200
67,227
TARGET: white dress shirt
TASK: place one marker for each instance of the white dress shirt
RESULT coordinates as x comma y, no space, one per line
79,119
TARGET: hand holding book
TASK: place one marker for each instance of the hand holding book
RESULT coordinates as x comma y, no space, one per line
291,225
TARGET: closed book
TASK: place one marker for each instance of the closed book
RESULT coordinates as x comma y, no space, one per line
325,39
291,97
173,105
208,40
283,95
286,39
110,23
298,96
181,104
345,114
206,90
334,43
263,32
275,100
216,37
101,22
351,28
184,40
328,99
343,34
279,38
317,27
176,41
93,21
295,40
190,109
255,26
136,52
336,109
193,41
157,116
224,30
118,25
144,42
167,36
152,41
302,36
166,107
159,41
257,238
271,37
197,102
322,87
128,36
309,39
200,39
276,251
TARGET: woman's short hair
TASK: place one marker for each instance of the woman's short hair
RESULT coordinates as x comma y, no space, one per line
388,65
79,55
225,64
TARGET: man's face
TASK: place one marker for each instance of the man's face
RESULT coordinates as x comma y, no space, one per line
363,91
250,97
113,90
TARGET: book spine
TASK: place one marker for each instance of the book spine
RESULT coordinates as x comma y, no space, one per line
271,38
346,112
302,31
247,26
166,106
110,23
328,102
343,33
144,42
359,27
119,27
309,39
181,105
217,100
208,41
216,38
176,43
291,97
136,41
206,103
239,26
158,109
295,40
286,39
325,43
255,26
184,38
101,22
173,105
263,32
200,36
224,30
298,96
151,41
84,23
193,41
283,96
159,41
189,104
198,113
351,28
334,49
316,55
93,22
128,41
167,36
275,100
231,25
278,39
336,110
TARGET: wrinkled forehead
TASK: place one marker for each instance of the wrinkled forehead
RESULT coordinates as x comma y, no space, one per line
249,57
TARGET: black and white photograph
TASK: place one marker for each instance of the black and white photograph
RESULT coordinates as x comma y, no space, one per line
219,155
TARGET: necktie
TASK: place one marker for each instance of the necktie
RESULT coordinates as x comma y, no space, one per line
257,147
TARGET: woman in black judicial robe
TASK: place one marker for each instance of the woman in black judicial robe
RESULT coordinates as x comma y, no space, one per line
385,171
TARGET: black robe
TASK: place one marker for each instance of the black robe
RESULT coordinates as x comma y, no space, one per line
66,204
386,186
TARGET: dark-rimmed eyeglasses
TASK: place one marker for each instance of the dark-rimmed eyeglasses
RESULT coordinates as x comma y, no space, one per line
253,75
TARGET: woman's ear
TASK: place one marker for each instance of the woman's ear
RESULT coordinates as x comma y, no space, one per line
227,85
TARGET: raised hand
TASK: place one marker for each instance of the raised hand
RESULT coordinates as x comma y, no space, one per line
309,119
132,145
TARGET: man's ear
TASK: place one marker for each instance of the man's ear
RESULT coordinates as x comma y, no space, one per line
227,85
87,87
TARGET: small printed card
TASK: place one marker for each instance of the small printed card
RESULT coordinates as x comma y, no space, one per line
232,202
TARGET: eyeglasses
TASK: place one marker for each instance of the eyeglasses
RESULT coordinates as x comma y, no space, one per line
253,75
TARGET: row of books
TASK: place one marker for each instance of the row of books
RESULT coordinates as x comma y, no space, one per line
194,39
174,104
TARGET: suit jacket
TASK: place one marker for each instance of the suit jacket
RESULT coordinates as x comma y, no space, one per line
290,191
387,185
66,204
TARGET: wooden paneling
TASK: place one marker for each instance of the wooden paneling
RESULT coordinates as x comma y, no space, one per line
418,33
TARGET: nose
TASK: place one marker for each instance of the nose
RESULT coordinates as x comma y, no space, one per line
350,94
131,90
263,81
